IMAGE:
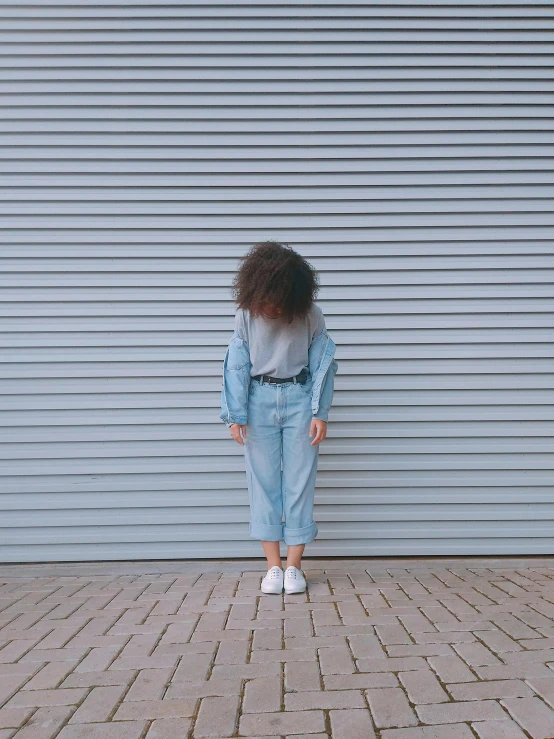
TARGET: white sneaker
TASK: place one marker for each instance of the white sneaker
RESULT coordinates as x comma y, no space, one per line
273,581
294,580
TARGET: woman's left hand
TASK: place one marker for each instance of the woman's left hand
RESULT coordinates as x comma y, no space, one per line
318,427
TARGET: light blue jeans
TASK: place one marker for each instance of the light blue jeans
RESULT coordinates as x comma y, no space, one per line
279,418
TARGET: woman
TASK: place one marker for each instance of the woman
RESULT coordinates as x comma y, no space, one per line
278,382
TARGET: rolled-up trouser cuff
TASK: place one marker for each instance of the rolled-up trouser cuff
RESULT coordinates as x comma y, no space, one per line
304,535
265,531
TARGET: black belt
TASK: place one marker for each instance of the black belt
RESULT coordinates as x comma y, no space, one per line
300,377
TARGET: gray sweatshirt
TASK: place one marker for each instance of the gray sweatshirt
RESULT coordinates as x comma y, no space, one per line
278,348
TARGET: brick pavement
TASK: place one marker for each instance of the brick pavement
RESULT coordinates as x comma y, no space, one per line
387,649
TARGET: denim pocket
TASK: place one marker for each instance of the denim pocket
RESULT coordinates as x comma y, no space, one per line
307,386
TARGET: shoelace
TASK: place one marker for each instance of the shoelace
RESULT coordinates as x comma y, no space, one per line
291,572
274,573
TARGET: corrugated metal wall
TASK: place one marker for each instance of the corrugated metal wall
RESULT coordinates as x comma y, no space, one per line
404,148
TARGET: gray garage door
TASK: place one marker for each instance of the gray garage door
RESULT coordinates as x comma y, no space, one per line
404,148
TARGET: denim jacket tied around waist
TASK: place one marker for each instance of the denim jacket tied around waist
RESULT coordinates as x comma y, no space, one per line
236,378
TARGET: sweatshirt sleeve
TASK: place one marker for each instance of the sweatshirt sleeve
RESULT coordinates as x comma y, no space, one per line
239,324
318,324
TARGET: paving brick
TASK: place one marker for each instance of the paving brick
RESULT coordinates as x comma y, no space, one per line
231,634
14,717
507,672
544,686
99,705
297,627
423,687
493,689
342,630
246,671
476,654
97,641
336,660
546,643
284,655
533,715
244,610
302,676
212,621
390,708
178,633
465,626
392,664
169,728
61,697
297,642
544,631
59,637
351,612
176,650
514,627
285,722
216,686
55,655
351,724
452,637
326,618
236,628
49,676
438,614
98,659
122,730
16,649
149,685
19,670
396,634
140,644
366,645
217,717
416,623
143,663
499,642
9,685
452,713
453,731
45,723
232,652
262,694
531,618
451,669
360,680
268,639
498,730
531,655
134,711
96,679
324,699
419,650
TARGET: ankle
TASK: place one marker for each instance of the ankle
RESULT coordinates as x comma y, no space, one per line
274,564
294,564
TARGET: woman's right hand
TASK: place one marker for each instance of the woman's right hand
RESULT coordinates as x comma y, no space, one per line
238,431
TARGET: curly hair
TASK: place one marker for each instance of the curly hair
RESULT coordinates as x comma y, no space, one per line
274,274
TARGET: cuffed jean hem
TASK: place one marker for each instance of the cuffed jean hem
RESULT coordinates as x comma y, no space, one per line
305,535
266,531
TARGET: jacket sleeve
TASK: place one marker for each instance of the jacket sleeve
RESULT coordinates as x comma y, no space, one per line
235,382
327,390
